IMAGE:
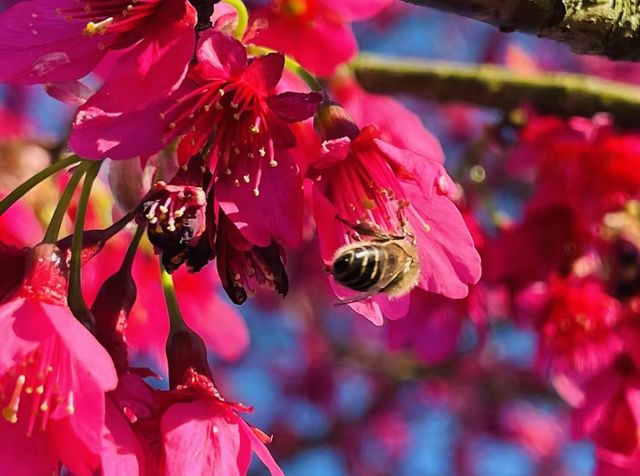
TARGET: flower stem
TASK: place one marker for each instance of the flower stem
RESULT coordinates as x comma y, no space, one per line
51,235
295,67
22,189
127,262
75,299
243,17
291,64
175,316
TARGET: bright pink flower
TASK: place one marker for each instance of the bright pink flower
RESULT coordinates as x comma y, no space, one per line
45,41
200,422
227,110
365,180
53,377
578,332
608,407
583,164
317,33
551,238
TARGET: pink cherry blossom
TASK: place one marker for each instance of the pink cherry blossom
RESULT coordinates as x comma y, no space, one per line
44,41
53,376
317,33
226,108
365,180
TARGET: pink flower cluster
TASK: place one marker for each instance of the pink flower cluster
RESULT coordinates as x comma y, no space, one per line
227,156
579,283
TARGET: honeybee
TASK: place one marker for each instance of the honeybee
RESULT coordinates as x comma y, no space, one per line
384,264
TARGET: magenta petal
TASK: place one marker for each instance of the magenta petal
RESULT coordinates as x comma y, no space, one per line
353,10
74,93
221,56
85,350
71,448
261,451
22,455
429,174
99,134
301,40
448,258
294,107
198,428
330,236
27,337
396,123
264,72
47,49
121,453
156,65
275,213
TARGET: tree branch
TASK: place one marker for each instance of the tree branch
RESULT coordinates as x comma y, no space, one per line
496,87
603,27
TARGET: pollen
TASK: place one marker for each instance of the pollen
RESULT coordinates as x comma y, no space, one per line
97,28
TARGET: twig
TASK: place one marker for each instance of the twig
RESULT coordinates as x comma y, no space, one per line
497,87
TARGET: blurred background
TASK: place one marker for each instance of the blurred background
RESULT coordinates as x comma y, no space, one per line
453,389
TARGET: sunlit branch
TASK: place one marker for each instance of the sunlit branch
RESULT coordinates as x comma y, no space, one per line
599,27
497,87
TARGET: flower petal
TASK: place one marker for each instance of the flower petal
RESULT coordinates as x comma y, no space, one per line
294,107
47,49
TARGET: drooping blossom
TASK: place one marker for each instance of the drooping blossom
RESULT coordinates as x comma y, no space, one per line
43,41
53,377
200,421
366,181
317,33
243,266
227,111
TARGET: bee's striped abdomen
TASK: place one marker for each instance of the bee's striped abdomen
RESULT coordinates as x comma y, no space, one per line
359,268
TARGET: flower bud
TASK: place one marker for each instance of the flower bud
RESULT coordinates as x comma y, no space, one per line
186,352
127,182
332,121
111,308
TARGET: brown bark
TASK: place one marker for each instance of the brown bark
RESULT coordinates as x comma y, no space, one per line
602,27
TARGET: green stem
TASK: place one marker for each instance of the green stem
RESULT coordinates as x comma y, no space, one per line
295,67
51,236
175,316
291,64
22,189
75,299
243,17
127,262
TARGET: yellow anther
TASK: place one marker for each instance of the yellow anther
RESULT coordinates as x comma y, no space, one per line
97,28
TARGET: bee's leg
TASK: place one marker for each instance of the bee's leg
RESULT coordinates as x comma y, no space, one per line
403,225
365,230
357,298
